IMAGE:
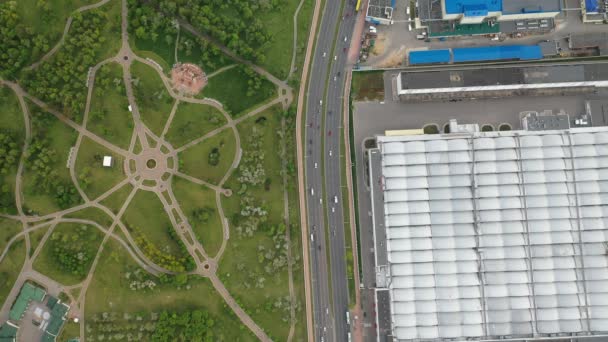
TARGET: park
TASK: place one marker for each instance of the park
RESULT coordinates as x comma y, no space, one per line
147,174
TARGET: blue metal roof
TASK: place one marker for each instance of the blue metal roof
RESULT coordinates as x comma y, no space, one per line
430,56
460,6
475,10
591,5
490,53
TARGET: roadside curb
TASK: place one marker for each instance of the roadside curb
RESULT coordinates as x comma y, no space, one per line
301,185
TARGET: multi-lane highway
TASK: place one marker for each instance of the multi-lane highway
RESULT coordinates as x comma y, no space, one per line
323,176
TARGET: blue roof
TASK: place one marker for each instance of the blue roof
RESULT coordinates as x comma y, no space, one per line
491,53
591,5
475,10
430,56
461,6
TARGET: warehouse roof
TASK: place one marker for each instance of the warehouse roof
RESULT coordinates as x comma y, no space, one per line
494,234
530,6
429,56
501,52
460,6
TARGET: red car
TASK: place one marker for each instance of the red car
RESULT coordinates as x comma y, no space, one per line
329,133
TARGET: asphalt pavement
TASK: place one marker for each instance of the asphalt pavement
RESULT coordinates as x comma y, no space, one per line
323,115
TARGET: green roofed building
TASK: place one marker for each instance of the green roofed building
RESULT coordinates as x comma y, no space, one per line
58,313
46,337
8,332
27,294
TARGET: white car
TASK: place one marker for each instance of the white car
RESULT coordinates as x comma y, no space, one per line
335,58
333,210
330,153
324,54
320,102
316,165
335,199
345,38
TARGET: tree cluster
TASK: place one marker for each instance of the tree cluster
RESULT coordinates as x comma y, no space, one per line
187,326
62,80
168,261
210,57
18,43
150,24
235,23
42,163
202,215
251,170
214,157
254,82
73,251
9,155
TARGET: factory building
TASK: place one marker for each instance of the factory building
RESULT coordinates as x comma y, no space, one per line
492,235
478,11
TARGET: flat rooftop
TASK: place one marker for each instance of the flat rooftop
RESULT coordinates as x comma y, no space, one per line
474,77
530,6
377,8
497,234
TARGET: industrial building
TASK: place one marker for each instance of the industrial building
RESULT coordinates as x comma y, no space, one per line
480,17
380,12
457,83
491,235
476,11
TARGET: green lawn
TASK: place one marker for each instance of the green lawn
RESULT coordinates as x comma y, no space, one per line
68,239
93,177
192,197
194,161
109,116
158,51
230,88
10,267
152,97
110,292
49,23
35,238
12,125
12,116
8,229
115,201
279,24
191,121
60,138
146,213
304,21
368,85
70,331
93,214
243,262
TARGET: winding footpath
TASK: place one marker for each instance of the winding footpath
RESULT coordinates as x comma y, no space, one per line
206,265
